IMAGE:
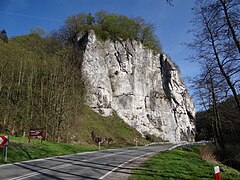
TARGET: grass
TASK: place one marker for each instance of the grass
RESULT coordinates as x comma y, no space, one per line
106,126
182,163
20,150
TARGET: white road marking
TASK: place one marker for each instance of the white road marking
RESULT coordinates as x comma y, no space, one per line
124,164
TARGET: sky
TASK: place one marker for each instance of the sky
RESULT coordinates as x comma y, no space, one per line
171,23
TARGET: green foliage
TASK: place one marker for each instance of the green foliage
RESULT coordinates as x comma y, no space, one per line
182,163
39,31
37,89
3,36
153,138
79,23
203,126
31,42
110,127
110,26
229,116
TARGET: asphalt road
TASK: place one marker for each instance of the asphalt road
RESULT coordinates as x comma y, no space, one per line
91,165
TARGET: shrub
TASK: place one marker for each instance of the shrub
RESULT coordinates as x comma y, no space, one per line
206,153
153,138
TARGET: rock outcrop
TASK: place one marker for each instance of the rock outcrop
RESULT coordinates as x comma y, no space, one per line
145,89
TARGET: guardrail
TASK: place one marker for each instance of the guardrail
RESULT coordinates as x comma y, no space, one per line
185,143
182,143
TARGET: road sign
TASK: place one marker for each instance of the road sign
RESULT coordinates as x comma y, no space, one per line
36,133
3,140
136,140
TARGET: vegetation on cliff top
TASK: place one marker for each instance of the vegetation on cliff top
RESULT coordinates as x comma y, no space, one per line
111,26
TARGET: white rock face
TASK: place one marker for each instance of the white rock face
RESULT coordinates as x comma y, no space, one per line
143,88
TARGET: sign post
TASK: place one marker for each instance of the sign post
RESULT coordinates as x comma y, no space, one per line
99,145
6,152
99,140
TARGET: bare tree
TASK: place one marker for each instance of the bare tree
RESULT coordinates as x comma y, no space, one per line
209,94
213,44
216,34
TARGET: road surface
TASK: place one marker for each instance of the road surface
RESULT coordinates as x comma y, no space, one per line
90,165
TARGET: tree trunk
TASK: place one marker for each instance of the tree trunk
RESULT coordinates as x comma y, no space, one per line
217,123
229,23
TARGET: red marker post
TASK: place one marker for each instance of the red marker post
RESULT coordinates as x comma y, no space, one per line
217,173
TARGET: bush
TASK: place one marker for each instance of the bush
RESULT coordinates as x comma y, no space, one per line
207,153
153,138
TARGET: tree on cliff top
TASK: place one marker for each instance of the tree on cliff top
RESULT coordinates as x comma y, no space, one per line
3,36
110,26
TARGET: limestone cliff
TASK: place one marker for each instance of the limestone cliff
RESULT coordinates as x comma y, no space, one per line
143,88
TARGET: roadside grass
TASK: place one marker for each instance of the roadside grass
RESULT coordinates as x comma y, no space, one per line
181,163
20,150
106,126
